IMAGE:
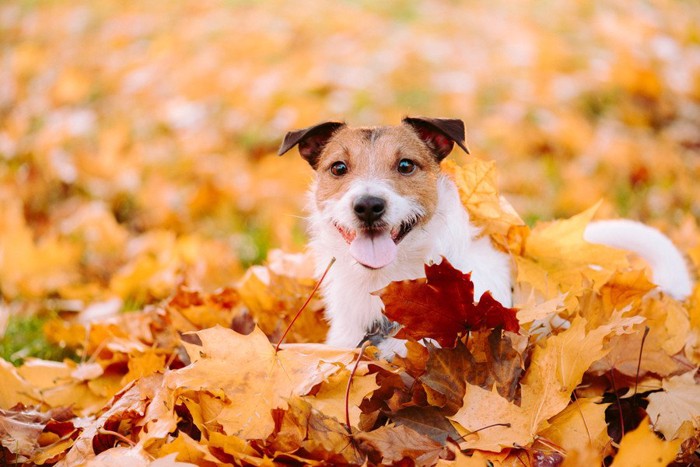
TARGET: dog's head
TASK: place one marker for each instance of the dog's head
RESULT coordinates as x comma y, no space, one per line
375,185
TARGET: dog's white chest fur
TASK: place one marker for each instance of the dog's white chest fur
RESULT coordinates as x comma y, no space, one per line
350,306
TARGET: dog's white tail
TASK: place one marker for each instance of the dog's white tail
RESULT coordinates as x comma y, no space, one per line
670,271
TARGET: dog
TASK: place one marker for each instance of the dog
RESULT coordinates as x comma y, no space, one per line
382,208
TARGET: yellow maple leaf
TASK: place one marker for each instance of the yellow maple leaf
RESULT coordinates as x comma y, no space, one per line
191,310
677,402
275,292
50,453
581,427
555,371
642,448
330,399
143,364
558,260
29,267
623,291
85,387
249,378
187,449
533,309
478,191
64,333
558,367
490,422
692,349
668,332
232,445
15,389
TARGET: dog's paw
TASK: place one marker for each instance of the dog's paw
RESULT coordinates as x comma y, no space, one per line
380,330
381,335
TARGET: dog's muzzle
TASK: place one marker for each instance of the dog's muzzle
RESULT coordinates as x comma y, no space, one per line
369,209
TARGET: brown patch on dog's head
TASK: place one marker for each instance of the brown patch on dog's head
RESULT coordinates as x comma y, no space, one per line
375,154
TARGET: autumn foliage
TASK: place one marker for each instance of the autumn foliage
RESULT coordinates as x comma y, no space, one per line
446,295
153,238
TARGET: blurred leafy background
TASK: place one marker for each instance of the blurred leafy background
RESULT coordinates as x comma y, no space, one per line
138,139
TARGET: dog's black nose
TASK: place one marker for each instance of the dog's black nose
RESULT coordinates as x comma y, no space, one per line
369,209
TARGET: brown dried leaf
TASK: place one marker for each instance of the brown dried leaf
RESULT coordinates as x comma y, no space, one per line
290,426
130,403
444,380
415,360
495,362
427,421
20,430
390,444
328,440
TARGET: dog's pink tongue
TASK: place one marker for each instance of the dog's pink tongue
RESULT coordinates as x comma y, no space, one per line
374,250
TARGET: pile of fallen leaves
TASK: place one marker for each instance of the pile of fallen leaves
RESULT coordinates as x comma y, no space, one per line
592,364
139,182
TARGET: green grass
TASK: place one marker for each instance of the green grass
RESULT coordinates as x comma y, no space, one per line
24,337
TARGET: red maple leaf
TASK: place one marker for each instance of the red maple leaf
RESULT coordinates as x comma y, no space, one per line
442,306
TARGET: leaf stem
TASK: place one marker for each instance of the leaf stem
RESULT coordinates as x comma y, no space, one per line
551,445
318,284
365,344
506,425
639,362
583,419
119,436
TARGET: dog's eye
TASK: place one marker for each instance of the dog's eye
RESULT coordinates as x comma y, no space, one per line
339,168
406,167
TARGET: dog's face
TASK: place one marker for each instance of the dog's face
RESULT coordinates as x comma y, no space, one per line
375,185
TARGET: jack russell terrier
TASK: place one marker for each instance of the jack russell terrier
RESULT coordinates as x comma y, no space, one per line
380,205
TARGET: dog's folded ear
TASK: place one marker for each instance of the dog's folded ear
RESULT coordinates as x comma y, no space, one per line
311,140
439,134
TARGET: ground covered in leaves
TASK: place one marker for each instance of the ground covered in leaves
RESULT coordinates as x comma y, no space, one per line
151,243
